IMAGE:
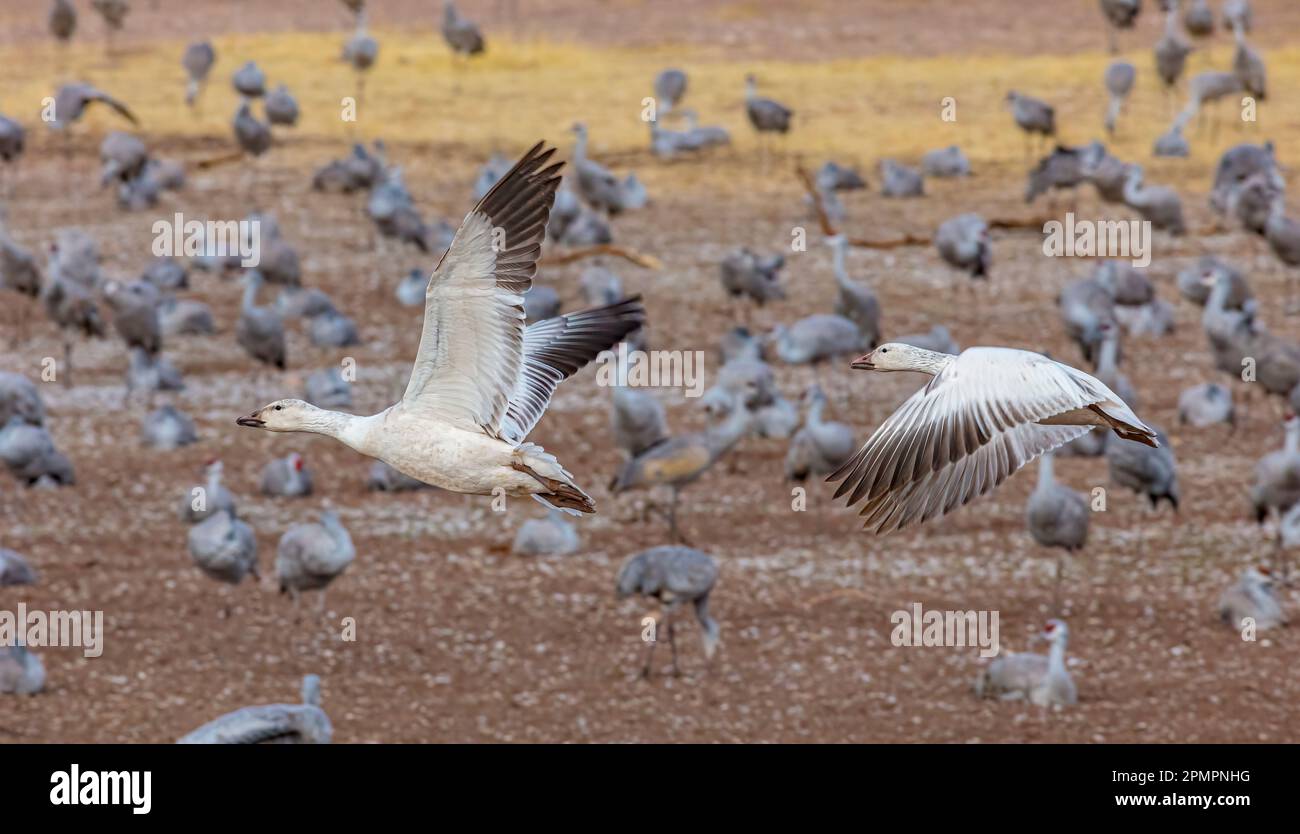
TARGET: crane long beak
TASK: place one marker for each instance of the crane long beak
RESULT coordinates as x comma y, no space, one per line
864,363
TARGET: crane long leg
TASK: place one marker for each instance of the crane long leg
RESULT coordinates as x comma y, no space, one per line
672,637
67,362
1056,588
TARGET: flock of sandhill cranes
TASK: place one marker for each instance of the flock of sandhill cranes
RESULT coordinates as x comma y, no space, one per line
495,345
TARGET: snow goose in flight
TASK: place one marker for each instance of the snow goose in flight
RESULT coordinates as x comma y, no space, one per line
481,380
985,414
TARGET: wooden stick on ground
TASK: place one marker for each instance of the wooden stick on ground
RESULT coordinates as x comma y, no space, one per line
828,228
570,255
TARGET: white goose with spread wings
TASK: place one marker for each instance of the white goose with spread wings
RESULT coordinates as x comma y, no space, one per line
985,414
481,379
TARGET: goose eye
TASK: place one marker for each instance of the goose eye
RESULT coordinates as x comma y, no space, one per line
279,408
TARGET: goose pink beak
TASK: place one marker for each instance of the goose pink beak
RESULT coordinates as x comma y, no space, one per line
864,363
252,421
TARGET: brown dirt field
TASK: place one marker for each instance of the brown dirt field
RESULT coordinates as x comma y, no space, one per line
460,641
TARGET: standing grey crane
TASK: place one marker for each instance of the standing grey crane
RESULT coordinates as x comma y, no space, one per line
281,107
1238,165
260,330
945,162
1120,14
287,477
1171,51
114,13
249,80
1254,596
1119,78
223,547
14,569
673,575
1237,14
1172,143
254,138
820,446
1206,404
327,388
151,372
358,171
1208,88
898,180
167,428
70,306
28,453
597,185
1199,17
19,398
197,60
1197,281
123,157
1064,168
963,242
855,300
394,213
63,20
304,723
1283,236
19,273
638,420
21,672
1146,470
552,535
1105,171
818,338
1057,517
312,555
1277,483
1042,680
135,313
764,114
1157,203
71,101
1034,117
669,87
361,51
202,501
333,329
682,459
746,274
1249,66
463,36
185,317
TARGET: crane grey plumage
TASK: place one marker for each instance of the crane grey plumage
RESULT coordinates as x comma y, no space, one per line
855,300
312,555
1063,168
1159,204
945,162
63,20
1237,14
669,87
898,180
1120,14
1253,596
71,101
21,672
1057,516
360,170
765,115
204,500
20,398
287,477
1118,78
1196,281
552,535
197,60
1249,66
1206,404
260,330
1105,171
332,329
28,452
14,569
151,372
1041,680
1238,165
384,478
135,313
1031,115
123,157
638,420
223,547
252,134
185,317
1199,18
249,80
1146,470
166,428
937,339
463,36
817,338
745,273
1171,51
304,723
673,575
328,388
963,242
281,107
820,446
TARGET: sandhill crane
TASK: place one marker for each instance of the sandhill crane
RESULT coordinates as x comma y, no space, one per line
304,723
394,214
1249,66
19,398
937,339
898,180
1105,171
818,338
114,13
328,388
699,137
260,330
185,317
463,36
597,185
360,170
1118,78
135,313
1206,404
1042,404
410,290
1171,51
249,81
1057,517
638,420
1146,470
1239,165
1059,170
19,273
746,274
1283,236
682,459
70,306
945,162
752,381
197,60
855,301
549,536
333,329
14,569
28,453
669,87
223,547
151,372
835,177
63,20
573,224
1120,14
204,500
1172,143
1157,203
963,242
1199,17
1237,14
361,51
1207,88
287,477
311,555
21,672
167,428
1197,281
71,101
13,139
764,114
253,137
673,575
357,7
1251,203
820,446
1252,597
281,107
384,478
1032,116
1277,480
1042,680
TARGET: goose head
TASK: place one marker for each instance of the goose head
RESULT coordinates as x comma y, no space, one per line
283,415
894,356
